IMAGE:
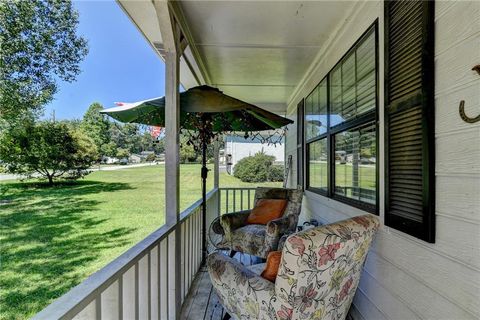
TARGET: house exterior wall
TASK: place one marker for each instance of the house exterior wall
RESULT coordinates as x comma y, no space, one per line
242,149
406,278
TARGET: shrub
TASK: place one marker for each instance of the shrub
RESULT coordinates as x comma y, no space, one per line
150,157
258,168
276,173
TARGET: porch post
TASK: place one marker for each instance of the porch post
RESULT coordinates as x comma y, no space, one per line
172,116
171,54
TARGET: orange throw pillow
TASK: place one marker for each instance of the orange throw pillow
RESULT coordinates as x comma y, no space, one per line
271,268
267,210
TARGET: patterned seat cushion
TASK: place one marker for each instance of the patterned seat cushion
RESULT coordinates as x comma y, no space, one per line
249,238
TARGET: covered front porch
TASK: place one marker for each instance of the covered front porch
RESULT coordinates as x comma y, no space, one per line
281,56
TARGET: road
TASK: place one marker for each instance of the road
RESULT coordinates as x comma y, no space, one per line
4,177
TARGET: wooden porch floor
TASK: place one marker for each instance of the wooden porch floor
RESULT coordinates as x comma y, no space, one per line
202,302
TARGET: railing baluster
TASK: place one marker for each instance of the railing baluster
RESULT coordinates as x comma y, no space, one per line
241,200
172,269
143,287
226,202
185,279
109,302
88,313
187,256
190,246
163,273
143,284
137,295
182,262
154,283
120,298
98,308
129,294
234,200
194,243
219,202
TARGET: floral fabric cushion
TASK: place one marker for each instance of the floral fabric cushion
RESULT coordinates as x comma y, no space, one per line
318,275
249,238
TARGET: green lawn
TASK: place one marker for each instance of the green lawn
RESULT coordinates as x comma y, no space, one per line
53,238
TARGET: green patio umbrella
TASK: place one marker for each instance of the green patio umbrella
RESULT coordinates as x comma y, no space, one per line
205,113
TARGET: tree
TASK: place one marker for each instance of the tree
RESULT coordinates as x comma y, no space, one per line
38,47
123,153
187,151
110,149
48,149
97,126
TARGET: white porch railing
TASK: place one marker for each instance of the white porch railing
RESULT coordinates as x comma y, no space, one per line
236,199
140,284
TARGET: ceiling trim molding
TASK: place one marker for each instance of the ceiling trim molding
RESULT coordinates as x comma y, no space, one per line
168,29
204,77
255,85
151,44
332,39
254,46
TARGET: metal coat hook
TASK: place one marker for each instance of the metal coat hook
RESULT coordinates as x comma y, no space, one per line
461,108
464,117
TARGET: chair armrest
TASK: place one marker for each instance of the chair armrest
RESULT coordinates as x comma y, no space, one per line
242,292
234,220
276,229
279,226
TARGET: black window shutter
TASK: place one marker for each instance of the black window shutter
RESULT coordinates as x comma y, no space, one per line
409,118
300,144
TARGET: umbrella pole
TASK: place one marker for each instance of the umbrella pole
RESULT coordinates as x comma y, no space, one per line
204,197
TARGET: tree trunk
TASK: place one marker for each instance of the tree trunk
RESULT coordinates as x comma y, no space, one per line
50,179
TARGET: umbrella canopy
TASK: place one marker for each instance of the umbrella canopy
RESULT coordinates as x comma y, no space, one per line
209,113
199,106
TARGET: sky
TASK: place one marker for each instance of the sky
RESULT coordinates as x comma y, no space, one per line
120,65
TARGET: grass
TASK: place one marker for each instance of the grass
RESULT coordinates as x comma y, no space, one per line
52,238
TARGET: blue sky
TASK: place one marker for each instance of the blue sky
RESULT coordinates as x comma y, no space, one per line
120,66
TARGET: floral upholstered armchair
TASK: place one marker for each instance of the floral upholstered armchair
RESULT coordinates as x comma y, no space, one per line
317,278
255,239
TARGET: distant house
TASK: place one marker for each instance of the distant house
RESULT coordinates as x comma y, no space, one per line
136,158
146,153
110,160
237,148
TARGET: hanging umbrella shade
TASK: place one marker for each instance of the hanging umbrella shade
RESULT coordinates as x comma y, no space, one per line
202,106
207,112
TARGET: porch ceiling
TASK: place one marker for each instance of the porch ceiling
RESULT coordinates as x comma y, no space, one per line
257,51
